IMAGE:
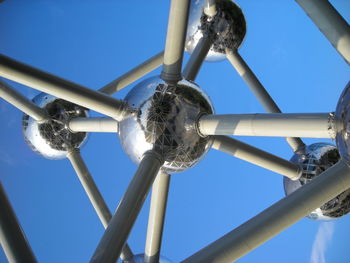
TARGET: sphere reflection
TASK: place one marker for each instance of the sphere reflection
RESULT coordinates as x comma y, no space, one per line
52,139
166,123
317,158
227,28
342,117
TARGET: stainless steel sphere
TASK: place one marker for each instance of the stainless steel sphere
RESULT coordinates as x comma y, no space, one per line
342,117
227,28
166,122
140,259
52,139
317,158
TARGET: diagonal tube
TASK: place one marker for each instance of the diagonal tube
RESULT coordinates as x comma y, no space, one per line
133,74
175,41
276,218
19,101
94,195
156,217
196,60
118,230
330,23
258,90
256,156
12,237
93,124
313,125
64,89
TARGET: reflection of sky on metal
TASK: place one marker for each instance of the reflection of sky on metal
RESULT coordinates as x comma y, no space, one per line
92,43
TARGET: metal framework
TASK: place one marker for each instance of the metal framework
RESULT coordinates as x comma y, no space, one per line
239,241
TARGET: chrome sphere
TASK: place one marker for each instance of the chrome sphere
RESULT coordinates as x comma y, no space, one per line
317,158
342,117
140,259
226,29
166,122
52,139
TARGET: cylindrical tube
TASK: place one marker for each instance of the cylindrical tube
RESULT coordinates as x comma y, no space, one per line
175,41
314,125
22,103
133,74
12,237
98,124
63,89
276,218
258,90
256,156
118,230
330,23
195,62
156,217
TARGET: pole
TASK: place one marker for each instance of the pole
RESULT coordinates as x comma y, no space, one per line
117,232
276,218
12,237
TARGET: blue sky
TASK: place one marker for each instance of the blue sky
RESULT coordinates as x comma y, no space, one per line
92,43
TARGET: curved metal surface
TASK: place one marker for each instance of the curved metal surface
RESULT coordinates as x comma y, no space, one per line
166,123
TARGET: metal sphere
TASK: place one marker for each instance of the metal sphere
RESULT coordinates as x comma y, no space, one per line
227,28
166,122
342,117
317,158
52,139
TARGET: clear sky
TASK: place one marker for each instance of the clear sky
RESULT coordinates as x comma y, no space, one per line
94,42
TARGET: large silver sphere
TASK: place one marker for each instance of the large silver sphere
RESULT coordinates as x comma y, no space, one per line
166,122
227,28
342,117
52,139
317,158
140,259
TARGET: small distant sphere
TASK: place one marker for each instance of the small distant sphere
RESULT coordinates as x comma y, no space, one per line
166,123
140,259
227,28
53,139
317,158
342,118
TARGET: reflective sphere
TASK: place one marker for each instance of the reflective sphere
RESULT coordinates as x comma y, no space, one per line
317,158
52,139
227,28
166,123
140,259
342,117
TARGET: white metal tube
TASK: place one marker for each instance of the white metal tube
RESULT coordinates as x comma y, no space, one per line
314,125
12,237
175,41
64,89
258,90
256,156
94,195
156,217
22,103
118,230
96,124
133,74
330,23
277,217
196,60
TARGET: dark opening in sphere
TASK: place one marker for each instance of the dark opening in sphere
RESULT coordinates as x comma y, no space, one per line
166,122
